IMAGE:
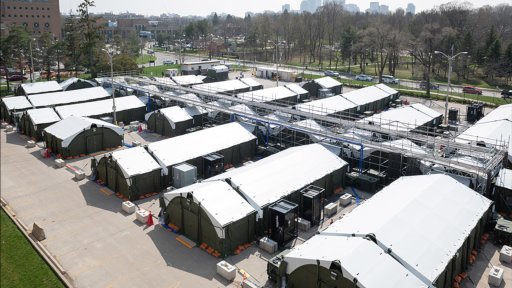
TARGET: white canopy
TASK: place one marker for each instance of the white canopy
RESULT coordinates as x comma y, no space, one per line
186,80
173,114
179,149
366,95
16,103
326,106
504,179
222,86
66,97
134,161
313,125
495,129
272,178
359,258
222,204
42,116
405,118
424,219
41,87
251,82
268,94
295,88
327,82
68,128
99,107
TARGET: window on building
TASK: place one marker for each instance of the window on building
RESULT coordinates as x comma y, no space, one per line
8,7
13,7
44,16
15,15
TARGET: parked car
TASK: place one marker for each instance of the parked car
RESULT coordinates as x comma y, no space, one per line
433,86
471,90
506,94
168,62
331,73
364,77
17,77
388,79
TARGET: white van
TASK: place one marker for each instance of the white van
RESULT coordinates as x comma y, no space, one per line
388,79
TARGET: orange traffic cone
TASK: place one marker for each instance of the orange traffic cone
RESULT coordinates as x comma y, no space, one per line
150,220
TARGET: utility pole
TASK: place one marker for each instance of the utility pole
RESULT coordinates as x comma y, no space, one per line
110,54
31,62
450,61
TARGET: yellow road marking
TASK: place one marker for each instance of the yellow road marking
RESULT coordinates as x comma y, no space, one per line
183,242
106,191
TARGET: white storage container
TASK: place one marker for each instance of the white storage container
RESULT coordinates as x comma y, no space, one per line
304,224
79,175
268,245
226,270
59,163
128,207
142,216
495,276
506,254
345,199
330,209
31,144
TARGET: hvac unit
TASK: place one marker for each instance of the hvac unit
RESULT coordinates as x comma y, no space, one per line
183,175
274,268
303,224
268,245
213,164
283,222
453,115
474,112
331,209
310,204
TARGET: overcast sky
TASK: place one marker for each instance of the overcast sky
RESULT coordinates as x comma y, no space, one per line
206,7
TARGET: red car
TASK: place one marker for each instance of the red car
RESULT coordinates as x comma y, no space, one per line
17,77
471,90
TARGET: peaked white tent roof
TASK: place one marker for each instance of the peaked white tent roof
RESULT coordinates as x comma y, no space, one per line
134,161
68,128
251,82
359,258
268,94
222,86
173,114
326,106
43,116
366,95
179,149
41,87
444,213
243,109
493,129
66,83
272,178
312,124
504,179
327,82
16,103
222,204
405,118
295,88
186,80
66,97
99,107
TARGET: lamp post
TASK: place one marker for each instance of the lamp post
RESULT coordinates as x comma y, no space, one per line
277,66
450,61
110,53
31,61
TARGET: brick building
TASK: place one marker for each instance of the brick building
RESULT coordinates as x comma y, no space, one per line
39,16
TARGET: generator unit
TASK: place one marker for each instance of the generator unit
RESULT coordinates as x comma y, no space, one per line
283,222
213,164
311,204
474,112
183,175
276,267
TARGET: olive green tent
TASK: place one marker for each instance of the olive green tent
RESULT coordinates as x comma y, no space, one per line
75,136
131,172
34,121
211,213
170,121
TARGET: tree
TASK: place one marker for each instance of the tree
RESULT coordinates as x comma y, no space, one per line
72,41
90,33
16,48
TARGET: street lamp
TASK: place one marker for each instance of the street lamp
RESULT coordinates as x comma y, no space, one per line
110,53
450,61
277,66
31,61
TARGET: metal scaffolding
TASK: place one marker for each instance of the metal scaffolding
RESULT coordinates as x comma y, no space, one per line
342,131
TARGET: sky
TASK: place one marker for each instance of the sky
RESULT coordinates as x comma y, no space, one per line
236,7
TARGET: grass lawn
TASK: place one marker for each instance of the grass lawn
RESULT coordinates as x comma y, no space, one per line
156,71
21,266
144,59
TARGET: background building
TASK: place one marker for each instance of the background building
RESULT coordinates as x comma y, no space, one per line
411,9
38,16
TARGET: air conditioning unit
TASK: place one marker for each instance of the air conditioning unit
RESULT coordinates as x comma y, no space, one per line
268,245
183,175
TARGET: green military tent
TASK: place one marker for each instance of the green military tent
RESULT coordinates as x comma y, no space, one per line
131,172
212,213
12,107
75,136
170,121
34,121
420,231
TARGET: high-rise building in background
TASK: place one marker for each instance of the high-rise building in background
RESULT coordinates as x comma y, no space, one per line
310,5
285,7
38,16
411,9
374,8
351,8
384,9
